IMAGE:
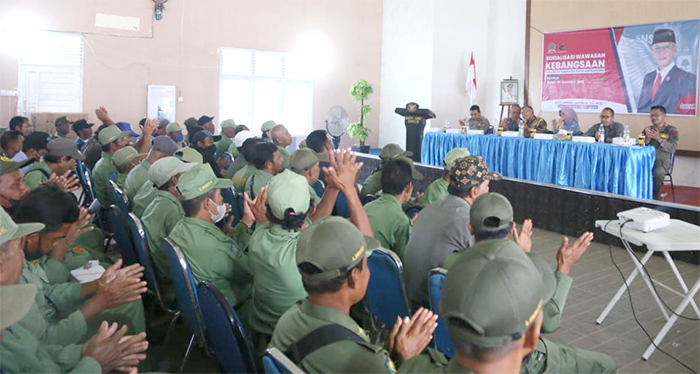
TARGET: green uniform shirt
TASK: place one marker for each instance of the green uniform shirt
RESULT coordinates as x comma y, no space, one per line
216,257
372,185
237,164
276,280
285,156
143,198
38,174
22,353
391,226
159,219
104,171
223,145
436,191
241,177
255,182
136,178
233,150
345,356
433,362
314,195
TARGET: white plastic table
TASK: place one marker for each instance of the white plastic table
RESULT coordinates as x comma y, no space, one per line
678,236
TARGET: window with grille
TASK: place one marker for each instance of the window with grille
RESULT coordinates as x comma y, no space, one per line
51,73
256,86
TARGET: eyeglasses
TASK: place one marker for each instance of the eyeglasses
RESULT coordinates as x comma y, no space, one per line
662,48
604,117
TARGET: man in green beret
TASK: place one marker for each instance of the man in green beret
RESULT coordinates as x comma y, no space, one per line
318,333
61,159
281,137
228,133
162,146
373,183
268,162
215,255
390,223
111,139
266,127
163,213
437,190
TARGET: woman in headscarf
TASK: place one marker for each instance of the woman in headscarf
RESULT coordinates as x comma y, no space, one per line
568,120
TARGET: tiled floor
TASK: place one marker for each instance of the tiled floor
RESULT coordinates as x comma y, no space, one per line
595,283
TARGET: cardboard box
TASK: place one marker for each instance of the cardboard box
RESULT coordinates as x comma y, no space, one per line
46,121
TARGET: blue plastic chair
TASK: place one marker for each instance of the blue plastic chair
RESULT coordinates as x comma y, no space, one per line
386,294
441,338
185,294
237,202
119,197
120,228
275,362
85,178
226,337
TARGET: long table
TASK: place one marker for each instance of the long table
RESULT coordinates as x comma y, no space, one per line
601,167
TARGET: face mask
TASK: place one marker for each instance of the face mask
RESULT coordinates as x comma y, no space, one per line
178,138
211,149
220,212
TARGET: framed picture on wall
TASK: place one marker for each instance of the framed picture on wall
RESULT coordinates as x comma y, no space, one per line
509,91
161,101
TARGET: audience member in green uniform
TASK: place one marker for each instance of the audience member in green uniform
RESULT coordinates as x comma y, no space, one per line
318,333
390,224
190,155
373,183
235,149
281,137
266,127
246,153
111,139
268,162
437,190
125,160
305,162
228,133
174,131
60,160
162,146
163,213
215,255
63,125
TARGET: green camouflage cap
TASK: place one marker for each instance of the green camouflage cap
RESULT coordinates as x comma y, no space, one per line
491,212
392,151
173,127
416,174
227,123
60,147
167,167
199,180
303,159
15,301
470,171
268,125
190,122
188,154
492,294
453,155
332,245
111,133
288,190
7,165
62,120
10,230
125,155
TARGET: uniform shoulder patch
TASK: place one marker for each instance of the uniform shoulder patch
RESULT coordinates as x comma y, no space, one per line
78,250
235,250
390,367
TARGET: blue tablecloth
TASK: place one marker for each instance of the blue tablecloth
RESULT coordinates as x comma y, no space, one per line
601,167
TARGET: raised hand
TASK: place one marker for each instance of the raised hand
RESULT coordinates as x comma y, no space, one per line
113,350
258,206
66,182
568,256
524,238
343,175
76,229
410,336
149,126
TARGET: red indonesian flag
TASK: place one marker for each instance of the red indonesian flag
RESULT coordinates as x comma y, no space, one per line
471,78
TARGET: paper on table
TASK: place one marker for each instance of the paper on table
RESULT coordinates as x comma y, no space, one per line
89,272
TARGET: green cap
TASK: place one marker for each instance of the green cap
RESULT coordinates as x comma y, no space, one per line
125,155
199,180
190,122
10,230
288,190
188,154
167,167
303,159
7,165
111,133
15,302
227,123
60,147
491,212
492,294
416,174
470,171
332,245
547,274
391,151
302,144
173,127
453,155
268,125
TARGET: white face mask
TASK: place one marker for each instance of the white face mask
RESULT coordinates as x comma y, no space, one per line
220,212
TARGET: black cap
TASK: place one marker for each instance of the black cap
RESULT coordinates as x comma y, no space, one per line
664,35
36,140
204,119
163,123
81,124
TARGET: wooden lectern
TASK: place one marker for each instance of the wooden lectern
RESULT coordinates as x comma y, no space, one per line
415,123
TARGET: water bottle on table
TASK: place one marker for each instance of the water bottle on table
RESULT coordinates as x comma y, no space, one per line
601,134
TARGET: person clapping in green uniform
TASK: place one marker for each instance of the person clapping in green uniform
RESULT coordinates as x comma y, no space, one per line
391,226
318,333
59,161
437,190
268,162
373,183
111,139
240,178
162,146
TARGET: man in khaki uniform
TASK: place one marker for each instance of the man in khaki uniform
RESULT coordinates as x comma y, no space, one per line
236,149
318,333
281,137
246,153
61,158
305,162
373,183
391,226
215,255
664,138
111,139
268,163
162,146
532,122
437,190
125,160
162,214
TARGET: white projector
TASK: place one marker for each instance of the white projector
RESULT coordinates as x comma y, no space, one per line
644,219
